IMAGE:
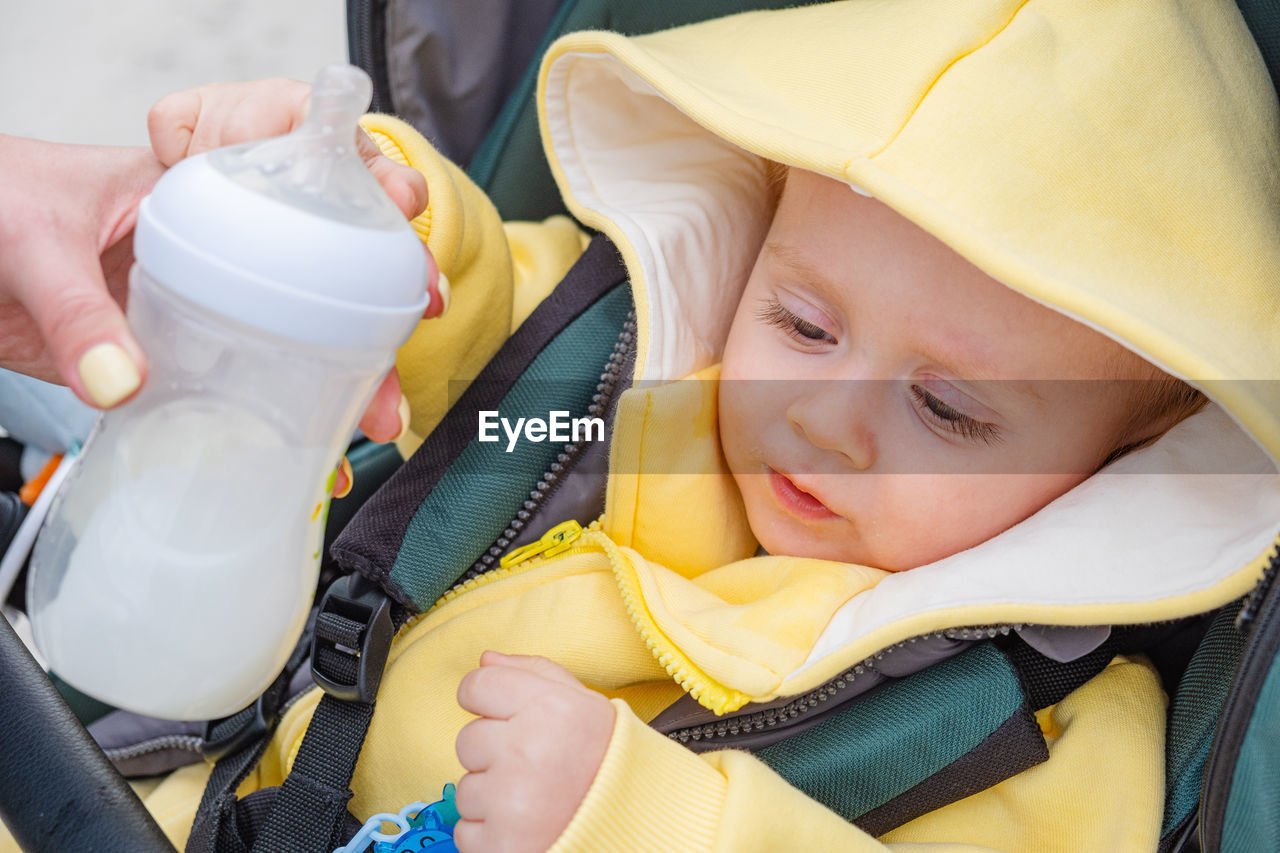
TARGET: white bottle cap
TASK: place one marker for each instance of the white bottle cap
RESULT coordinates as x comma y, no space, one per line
291,235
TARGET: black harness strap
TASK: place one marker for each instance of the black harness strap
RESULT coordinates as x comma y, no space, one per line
308,813
354,628
216,828
239,740
237,743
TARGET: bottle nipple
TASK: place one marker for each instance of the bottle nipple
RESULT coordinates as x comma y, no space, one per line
317,167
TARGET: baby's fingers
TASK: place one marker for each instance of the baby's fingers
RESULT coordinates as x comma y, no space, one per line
500,692
404,184
480,743
535,664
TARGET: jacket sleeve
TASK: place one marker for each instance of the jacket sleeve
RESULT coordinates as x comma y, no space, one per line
497,274
1101,789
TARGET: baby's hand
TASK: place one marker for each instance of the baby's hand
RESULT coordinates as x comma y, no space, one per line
530,757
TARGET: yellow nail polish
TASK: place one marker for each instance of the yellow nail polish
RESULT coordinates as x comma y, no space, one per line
345,467
108,374
445,293
405,418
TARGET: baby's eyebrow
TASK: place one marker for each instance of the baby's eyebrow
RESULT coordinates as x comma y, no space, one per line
960,358
795,263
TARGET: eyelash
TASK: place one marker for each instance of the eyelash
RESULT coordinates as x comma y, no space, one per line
775,313
944,416
953,420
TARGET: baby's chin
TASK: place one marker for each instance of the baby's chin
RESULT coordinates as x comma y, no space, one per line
782,537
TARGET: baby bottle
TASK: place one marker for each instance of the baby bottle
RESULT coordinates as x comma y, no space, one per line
274,282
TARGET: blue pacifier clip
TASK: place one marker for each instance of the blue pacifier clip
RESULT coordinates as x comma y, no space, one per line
422,828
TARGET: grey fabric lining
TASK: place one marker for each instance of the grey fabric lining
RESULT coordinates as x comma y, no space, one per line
452,63
1064,643
145,746
901,661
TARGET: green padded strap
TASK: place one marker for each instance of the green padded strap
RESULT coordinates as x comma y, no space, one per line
1241,802
1193,715
481,492
918,743
1253,810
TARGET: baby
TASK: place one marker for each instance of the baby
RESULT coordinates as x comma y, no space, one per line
883,405
897,357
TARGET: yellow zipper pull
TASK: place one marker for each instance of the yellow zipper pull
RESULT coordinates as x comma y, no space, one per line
557,540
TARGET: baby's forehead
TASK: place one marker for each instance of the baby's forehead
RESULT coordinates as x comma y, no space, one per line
890,283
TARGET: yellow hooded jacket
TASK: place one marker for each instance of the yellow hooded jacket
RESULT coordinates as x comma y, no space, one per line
1116,161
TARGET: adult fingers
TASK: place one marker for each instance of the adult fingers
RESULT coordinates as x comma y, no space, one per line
271,109
171,123
208,117
343,479
386,418
439,292
83,328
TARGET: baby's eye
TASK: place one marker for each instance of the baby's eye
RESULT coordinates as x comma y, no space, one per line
951,419
775,313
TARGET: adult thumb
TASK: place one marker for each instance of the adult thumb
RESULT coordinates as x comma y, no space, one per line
83,328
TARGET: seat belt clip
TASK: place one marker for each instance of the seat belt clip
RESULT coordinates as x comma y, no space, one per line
352,639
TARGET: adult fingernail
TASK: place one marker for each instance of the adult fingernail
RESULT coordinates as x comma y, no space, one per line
347,479
405,417
108,374
445,293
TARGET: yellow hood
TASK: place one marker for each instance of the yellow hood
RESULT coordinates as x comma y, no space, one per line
1116,161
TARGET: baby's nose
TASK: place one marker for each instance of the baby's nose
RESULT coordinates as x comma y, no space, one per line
838,416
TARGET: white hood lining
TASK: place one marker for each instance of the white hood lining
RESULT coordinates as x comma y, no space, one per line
1176,518
1172,519
688,204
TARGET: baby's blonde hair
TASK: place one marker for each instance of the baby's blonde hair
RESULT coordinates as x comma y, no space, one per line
1157,405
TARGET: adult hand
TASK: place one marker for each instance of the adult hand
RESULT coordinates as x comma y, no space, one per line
66,244
531,756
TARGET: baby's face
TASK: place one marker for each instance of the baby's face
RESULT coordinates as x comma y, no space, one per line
922,408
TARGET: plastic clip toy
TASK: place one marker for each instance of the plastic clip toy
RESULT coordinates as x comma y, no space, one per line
423,828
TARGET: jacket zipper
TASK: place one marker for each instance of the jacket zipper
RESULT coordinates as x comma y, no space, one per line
1249,610
561,540
363,49
550,480
829,693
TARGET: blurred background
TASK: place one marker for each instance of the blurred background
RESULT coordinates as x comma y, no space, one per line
88,71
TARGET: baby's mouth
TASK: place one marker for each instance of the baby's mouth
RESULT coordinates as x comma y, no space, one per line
796,500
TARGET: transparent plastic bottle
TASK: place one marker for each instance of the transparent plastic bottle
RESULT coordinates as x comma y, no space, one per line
274,282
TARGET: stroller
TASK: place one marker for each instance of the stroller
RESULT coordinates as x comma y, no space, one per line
1218,667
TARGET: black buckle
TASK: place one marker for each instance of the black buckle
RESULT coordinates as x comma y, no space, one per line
259,719
364,652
